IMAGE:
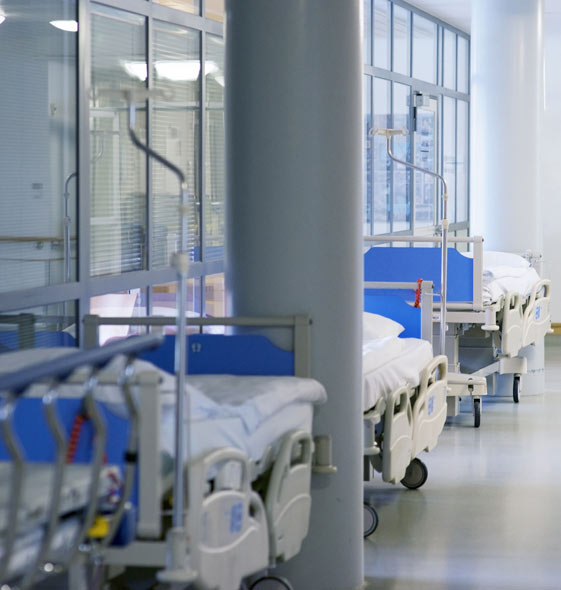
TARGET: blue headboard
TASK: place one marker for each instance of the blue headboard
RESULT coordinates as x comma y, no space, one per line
410,264
238,354
395,307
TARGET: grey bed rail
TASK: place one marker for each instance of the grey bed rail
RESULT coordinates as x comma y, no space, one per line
14,385
300,324
17,381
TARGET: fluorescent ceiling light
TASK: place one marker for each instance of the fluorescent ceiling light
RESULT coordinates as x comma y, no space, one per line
178,71
187,70
137,69
65,25
2,18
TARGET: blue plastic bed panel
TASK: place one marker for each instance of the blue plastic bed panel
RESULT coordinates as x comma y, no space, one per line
9,340
37,441
411,264
238,354
396,308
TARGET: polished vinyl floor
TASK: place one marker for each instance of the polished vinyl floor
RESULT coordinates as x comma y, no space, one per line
489,516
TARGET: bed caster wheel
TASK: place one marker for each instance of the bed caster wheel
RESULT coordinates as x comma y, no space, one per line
516,389
271,583
370,520
416,475
476,413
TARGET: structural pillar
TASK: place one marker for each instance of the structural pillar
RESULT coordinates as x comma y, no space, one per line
507,102
506,107
293,153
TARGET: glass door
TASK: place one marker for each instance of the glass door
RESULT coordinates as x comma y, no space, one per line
425,151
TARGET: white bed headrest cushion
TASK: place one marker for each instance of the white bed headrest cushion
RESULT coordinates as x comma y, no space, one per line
376,326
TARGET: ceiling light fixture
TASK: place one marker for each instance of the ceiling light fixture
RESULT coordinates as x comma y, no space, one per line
71,26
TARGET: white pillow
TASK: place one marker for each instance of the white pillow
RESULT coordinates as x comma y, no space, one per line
376,326
491,259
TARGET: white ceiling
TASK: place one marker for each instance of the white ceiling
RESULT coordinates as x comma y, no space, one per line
458,12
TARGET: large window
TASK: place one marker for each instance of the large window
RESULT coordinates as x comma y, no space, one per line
113,252
416,78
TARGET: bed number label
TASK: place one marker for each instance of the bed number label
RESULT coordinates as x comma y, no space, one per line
431,405
236,518
538,312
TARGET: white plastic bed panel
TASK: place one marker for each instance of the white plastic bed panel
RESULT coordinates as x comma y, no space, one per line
288,501
512,324
229,526
398,437
537,318
429,406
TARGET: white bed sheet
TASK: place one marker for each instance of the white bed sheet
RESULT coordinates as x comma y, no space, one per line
247,412
389,363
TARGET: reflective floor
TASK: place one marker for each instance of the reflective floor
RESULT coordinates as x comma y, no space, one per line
489,516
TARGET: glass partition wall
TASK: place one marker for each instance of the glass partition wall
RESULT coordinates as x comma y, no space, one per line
87,222
416,77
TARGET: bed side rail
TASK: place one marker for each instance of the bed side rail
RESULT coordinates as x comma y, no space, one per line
300,325
13,386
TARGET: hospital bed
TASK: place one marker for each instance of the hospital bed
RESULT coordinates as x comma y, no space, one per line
252,396
480,297
51,493
404,399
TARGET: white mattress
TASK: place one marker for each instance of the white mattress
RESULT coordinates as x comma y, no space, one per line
246,412
389,363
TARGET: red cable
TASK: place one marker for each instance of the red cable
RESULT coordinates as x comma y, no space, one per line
75,437
418,293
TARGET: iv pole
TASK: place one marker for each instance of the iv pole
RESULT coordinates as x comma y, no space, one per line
388,134
178,569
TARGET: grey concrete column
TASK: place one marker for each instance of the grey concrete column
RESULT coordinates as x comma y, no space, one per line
293,137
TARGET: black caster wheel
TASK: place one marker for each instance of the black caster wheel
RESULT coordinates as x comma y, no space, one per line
416,475
476,413
516,389
370,520
271,583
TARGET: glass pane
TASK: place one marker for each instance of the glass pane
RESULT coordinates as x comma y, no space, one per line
118,168
424,49
401,40
462,162
38,128
124,304
164,301
449,59
449,153
193,6
368,142
367,35
382,163
382,34
425,157
215,150
39,327
215,300
175,135
215,10
463,65
402,149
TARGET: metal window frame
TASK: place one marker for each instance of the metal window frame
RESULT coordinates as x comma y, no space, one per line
437,91
85,286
